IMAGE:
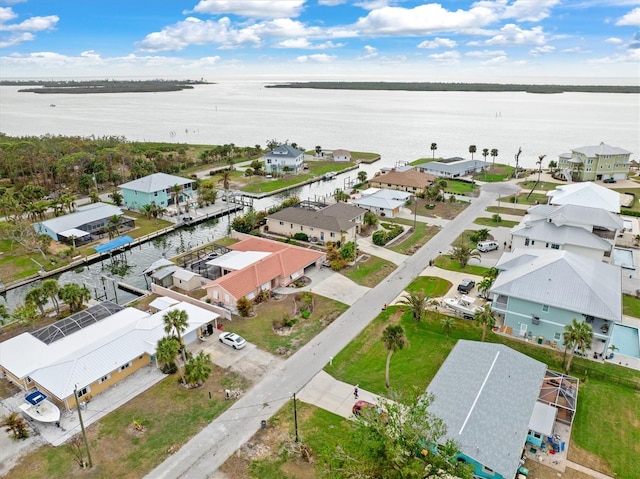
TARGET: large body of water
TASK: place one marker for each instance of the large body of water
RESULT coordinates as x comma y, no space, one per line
399,125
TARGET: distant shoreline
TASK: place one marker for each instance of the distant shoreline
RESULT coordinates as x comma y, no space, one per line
467,87
102,86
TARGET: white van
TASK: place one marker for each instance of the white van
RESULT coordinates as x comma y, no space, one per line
485,246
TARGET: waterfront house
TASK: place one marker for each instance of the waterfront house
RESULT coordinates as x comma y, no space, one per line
452,167
330,223
341,155
586,194
488,396
83,224
584,230
538,293
402,179
598,162
159,188
93,349
382,202
255,265
283,158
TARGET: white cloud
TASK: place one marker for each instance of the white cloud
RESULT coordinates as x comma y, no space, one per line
17,39
495,61
529,10
630,56
304,43
449,58
512,34
631,19
33,24
575,50
485,53
438,43
7,14
369,52
422,20
23,31
614,40
331,3
251,8
542,50
316,58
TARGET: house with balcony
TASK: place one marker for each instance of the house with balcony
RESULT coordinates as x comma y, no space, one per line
382,202
330,223
584,230
598,162
452,167
585,194
537,293
166,191
402,179
283,158
493,401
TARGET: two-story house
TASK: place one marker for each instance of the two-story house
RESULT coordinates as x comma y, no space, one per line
585,194
597,162
283,158
160,188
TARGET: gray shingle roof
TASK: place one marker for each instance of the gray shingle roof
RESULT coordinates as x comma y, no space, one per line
544,231
454,167
486,393
334,218
284,151
84,214
155,182
561,279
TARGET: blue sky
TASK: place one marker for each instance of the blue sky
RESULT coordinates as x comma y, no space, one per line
454,40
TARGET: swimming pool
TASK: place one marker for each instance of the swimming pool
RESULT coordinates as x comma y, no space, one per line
626,339
623,258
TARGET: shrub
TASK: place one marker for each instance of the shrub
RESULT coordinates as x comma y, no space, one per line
497,218
379,238
263,296
301,236
277,323
306,314
244,307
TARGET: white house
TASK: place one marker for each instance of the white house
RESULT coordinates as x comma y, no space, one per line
341,155
586,194
283,158
382,202
452,167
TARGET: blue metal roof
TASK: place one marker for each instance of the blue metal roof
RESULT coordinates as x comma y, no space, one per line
35,397
116,243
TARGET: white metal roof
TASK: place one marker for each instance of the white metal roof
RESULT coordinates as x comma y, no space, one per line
561,279
577,215
163,302
600,150
155,182
74,232
544,231
543,418
95,351
84,214
236,260
586,194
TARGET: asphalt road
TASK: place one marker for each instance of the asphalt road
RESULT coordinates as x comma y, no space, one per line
210,448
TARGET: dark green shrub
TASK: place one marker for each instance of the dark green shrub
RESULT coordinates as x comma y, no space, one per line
301,236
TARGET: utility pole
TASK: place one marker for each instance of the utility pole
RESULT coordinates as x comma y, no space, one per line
295,416
415,212
84,434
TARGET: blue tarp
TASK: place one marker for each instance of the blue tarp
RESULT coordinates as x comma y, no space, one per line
116,243
35,397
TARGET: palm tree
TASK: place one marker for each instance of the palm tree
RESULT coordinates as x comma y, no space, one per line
485,318
577,335
50,288
177,321
463,253
417,301
448,323
370,219
147,210
485,285
116,197
394,340
198,369
37,297
167,352
74,295
15,425
472,150
113,224
26,313
485,153
318,150
176,191
362,176
434,147
494,153
225,179
482,234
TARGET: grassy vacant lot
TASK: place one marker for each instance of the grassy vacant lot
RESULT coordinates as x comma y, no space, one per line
439,209
170,414
431,286
420,236
631,305
370,272
461,188
495,173
534,199
490,222
259,329
543,185
636,191
445,262
506,211
606,428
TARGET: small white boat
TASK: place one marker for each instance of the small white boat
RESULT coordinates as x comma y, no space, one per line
464,305
329,176
38,407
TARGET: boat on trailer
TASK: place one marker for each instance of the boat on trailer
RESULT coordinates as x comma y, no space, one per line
39,408
463,305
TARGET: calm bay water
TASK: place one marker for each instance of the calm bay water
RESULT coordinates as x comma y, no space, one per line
399,125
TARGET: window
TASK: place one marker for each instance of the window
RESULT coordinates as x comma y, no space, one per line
104,378
301,228
545,308
533,242
526,241
555,246
268,161
155,193
281,223
487,469
332,235
556,336
83,391
125,366
291,226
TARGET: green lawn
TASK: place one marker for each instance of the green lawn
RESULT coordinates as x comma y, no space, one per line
631,305
502,210
420,236
636,191
534,199
496,173
543,185
460,187
431,286
370,272
445,262
490,222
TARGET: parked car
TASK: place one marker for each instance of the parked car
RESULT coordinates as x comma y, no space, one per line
486,246
609,180
466,286
233,340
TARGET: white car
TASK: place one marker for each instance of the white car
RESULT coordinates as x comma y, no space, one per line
233,340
